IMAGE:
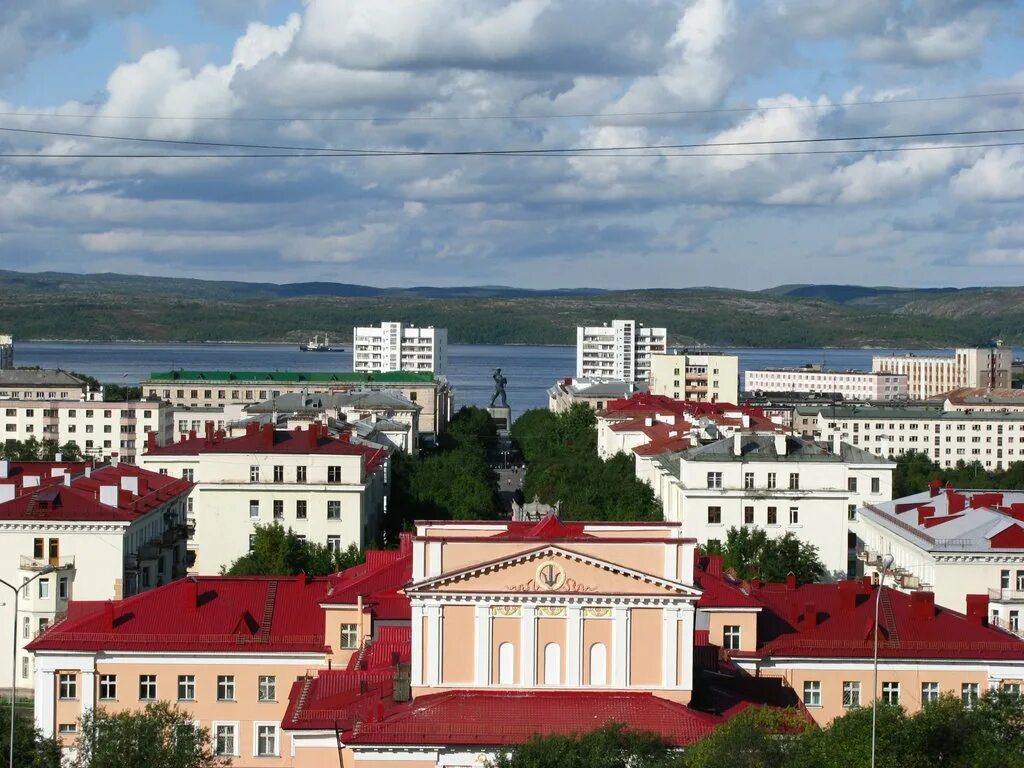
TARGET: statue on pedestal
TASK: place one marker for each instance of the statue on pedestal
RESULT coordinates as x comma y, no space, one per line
499,389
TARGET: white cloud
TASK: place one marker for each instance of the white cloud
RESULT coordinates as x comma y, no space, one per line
996,175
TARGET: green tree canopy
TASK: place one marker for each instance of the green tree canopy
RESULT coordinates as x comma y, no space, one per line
280,552
31,750
40,450
613,746
751,740
751,553
160,735
915,470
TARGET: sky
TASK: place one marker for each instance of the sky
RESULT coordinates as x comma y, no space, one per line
462,75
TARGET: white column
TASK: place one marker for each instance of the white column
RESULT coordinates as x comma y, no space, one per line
573,643
88,692
528,663
44,699
434,569
620,646
416,649
686,678
434,641
670,646
419,549
482,645
672,561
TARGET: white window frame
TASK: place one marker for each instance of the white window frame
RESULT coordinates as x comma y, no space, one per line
101,682
851,687
257,724
343,630
732,637
213,734
190,683
930,692
812,693
888,688
156,688
228,681
268,683
67,686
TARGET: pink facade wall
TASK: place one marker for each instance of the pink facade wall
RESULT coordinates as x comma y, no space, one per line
645,647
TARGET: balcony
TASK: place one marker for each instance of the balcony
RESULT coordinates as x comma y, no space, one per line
37,564
1006,595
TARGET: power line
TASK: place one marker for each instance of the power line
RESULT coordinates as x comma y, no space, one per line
568,151
554,116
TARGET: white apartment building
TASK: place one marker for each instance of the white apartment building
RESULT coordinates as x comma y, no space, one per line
594,394
953,543
399,347
39,384
621,351
864,386
328,490
6,351
101,430
995,439
779,483
936,375
682,376
107,533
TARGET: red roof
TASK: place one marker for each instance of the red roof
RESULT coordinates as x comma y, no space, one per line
138,491
512,717
266,439
548,529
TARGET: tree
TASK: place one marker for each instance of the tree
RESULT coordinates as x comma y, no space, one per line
915,470
758,737
31,749
280,552
612,746
160,735
751,553
34,450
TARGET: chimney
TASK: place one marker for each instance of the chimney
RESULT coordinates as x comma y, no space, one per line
151,441
88,470
191,592
780,445
30,481
837,444
868,581
405,544
108,614
108,495
737,444
755,583
58,457
67,478
301,579
714,566
191,434
746,420
267,440
924,512
313,436
649,421
209,431
810,615
957,501
977,609
934,487
130,483
922,605
114,459
848,591
5,468
790,580
252,427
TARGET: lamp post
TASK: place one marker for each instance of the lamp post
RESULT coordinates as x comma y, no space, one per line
887,561
14,648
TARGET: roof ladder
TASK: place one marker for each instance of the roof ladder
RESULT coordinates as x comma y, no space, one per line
890,619
268,610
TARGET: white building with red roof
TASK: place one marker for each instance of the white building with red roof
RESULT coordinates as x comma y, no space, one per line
327,489
106,532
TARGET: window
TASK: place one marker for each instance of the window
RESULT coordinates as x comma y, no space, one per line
147,687
851,484
929,693
334,544
714,515
552,664
891,693
108,687
731,637
748,480
268,688
186,687
773,516
334,474
876,485
67,728
1011,688
254,473
44,589
252,541
254,509
794,516
24,667
748,515
67,685
851,512
1004,576
969,693
300,474
266,740
334,509
300,509
225,687
1020,581
812,693
62,587
37,553
278,509
794,481
26,627
851,694
714,479
225,739
43,623
278,473
349,637
772,482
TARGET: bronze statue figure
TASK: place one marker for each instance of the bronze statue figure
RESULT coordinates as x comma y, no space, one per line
499,389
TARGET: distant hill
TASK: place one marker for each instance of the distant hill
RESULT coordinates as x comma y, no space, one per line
52,305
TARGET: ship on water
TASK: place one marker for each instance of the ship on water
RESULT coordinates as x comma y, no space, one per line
319,346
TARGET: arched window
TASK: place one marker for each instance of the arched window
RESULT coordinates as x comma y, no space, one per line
552,664
598,664
506,664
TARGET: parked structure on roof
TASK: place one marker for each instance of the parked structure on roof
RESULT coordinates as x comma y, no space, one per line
399,347
712,378
595,394
6,351
935,375
953,543
109,532
859,386
621,351
330,490
215,389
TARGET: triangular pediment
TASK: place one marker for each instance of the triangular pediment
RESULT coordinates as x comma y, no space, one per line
552,570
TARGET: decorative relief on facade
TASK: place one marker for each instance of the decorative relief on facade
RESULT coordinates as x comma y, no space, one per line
551,610
506,610
596,613
550,577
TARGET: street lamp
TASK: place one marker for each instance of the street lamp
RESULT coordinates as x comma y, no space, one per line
48,568
887,561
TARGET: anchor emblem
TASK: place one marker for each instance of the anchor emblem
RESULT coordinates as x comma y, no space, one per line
550,575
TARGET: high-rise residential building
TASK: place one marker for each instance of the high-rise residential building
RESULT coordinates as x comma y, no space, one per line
682,376
399,347
621,351
6,352
935,375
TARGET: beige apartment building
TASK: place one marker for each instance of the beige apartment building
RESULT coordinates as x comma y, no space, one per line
683,376
935,375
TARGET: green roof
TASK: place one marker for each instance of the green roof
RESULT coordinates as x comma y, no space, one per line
295,377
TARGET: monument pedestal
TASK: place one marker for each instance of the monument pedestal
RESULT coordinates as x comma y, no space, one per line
501,416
